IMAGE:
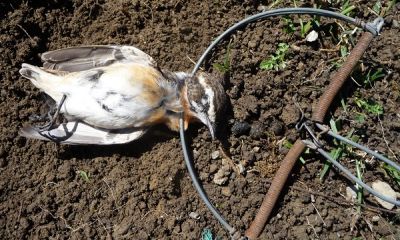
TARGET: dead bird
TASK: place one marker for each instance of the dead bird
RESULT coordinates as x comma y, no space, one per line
113,94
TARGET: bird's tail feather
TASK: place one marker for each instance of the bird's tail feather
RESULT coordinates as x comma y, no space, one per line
47,82
81,133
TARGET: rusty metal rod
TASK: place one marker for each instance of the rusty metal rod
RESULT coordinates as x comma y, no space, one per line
281,176
340,77
274,190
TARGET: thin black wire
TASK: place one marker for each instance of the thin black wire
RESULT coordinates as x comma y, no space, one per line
196,182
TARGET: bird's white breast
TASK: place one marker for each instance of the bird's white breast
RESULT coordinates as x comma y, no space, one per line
124,95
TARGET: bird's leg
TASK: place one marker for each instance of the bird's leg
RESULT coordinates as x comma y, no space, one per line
48,126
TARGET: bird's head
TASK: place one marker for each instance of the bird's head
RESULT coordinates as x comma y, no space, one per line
206,98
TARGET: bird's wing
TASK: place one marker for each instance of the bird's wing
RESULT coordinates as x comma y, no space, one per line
81,133
82,58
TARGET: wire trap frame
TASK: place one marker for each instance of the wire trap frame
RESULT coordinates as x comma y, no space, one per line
371,29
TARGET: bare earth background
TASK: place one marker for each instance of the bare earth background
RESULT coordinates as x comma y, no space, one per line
142,190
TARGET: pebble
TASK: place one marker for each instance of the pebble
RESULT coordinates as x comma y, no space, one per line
220,180
256,149
385,189
351,195
213,168
215,155
395,24
375,219
194,215
222,176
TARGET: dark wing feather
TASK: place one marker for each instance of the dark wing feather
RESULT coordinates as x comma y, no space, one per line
82,58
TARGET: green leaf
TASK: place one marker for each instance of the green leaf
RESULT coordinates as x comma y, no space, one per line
392,172
83,175
377,7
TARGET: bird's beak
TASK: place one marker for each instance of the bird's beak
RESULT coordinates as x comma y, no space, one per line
211,127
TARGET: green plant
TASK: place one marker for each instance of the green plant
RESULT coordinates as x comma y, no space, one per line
360,196
392,172
346,8
84,175
373,75
304,28
369,106
340,149
225,66
289,25
382,10
335,153
276,61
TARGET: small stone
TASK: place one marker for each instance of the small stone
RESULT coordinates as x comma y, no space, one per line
220,180
386,190
312,36
241,168
222,176
262,8
256,149
194,215
196,154
213,168
215,155
204,176
351,195
226,191
278,216
395,24
375,219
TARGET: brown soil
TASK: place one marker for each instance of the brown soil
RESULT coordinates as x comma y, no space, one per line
142,190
